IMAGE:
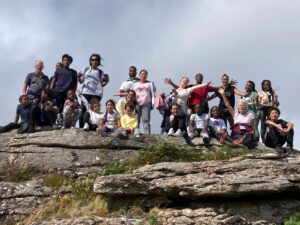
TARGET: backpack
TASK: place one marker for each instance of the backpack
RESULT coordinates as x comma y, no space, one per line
160,102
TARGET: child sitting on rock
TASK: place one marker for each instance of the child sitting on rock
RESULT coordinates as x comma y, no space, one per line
278,132
24,110
111,118
92,117
175,124
198,125
71,111
217,126
129,123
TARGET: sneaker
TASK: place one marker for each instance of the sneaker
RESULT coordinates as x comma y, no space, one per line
138,137
31,129
24,127
178,133
279,149
171,132
206,141
222,138
86,127
122,136
55,127
72,128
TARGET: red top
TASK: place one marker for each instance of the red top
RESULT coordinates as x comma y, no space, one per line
199,95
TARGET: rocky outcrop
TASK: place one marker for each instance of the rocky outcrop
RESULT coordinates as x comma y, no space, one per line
258,188
246,175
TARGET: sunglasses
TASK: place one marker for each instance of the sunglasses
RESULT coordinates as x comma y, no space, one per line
94,60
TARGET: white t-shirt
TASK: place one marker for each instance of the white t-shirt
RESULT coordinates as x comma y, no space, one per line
246,119
199,120
127,85
91,82
217,124
95,118
111,120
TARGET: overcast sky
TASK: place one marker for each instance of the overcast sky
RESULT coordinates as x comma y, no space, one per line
249,40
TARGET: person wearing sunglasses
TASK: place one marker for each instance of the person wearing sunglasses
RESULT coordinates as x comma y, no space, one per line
93,80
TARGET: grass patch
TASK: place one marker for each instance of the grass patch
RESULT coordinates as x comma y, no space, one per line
152,218
166,152
56,180
16,174
294,219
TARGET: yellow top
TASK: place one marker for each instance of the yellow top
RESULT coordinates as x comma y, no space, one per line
128,121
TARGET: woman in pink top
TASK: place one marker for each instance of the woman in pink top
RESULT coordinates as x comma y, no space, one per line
144,90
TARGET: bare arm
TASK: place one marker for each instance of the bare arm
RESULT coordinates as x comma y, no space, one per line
170,82
239,92
80,77
24,89
211,97
52,85
16,120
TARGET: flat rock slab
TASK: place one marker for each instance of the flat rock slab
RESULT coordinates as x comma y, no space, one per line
241,176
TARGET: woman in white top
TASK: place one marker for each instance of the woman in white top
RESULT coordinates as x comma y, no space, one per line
93,80
183,92
243,128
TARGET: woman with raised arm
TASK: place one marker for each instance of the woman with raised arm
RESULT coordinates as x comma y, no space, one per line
243,128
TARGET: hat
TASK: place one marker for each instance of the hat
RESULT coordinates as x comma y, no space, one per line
263,98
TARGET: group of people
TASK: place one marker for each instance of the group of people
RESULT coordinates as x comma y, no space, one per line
54,104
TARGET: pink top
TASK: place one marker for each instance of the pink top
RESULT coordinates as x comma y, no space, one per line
143,92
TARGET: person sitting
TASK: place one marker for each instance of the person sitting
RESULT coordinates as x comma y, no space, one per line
71,111
130,99
24,111
175,124
217,127
49,110
129,123
278,131
92,117
111,118
198,125
243,128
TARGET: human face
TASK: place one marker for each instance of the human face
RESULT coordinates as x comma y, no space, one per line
242,108
198,109
266,86
24,101
199,78
44,96
143,76
128,111
39,66
184,82
274,115
96,108
94,62
71,95
175,110
132,72
109,107
215,112
130,96
225,80
66,62
249,87
58,66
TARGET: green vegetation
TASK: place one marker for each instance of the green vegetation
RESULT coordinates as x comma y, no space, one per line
294,219
17,174
56,180
152,218
166,152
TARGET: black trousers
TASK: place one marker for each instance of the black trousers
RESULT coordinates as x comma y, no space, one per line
86,119
274,138
226,116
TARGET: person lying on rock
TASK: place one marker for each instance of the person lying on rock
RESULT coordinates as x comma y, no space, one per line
278,132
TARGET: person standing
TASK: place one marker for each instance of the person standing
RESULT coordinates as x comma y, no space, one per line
35,82
93,80
127,85
64,79
145,94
